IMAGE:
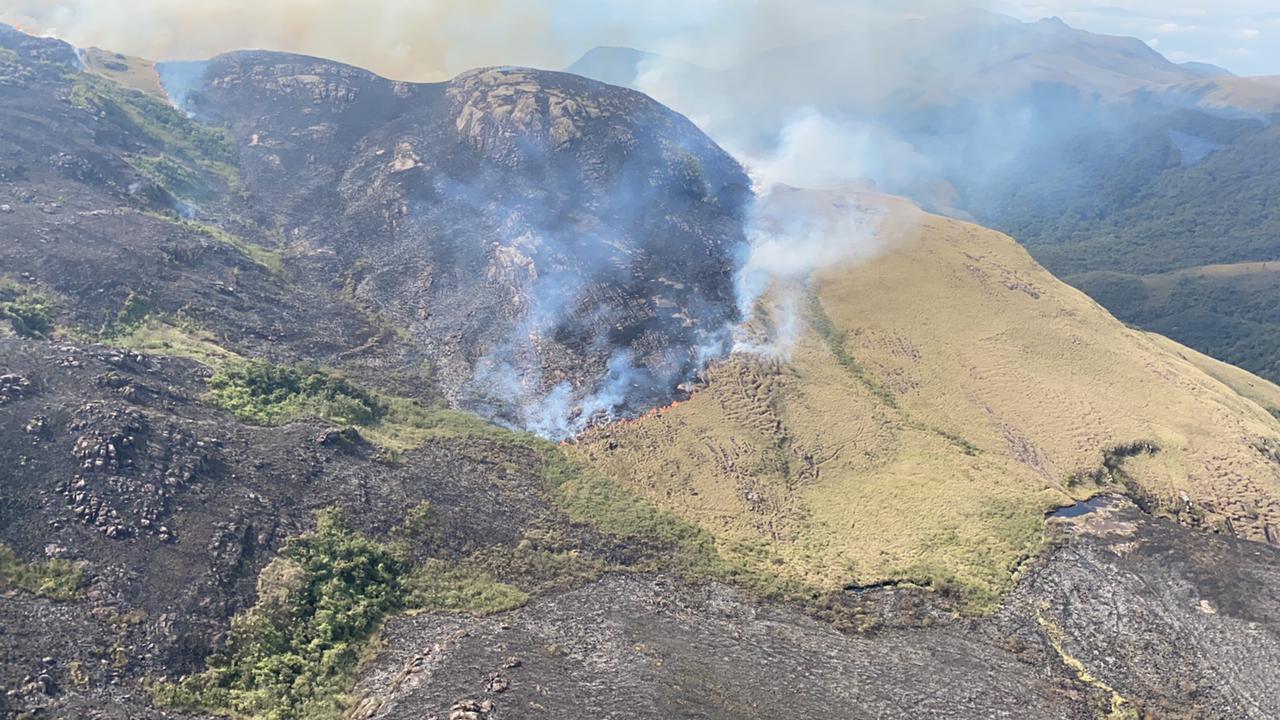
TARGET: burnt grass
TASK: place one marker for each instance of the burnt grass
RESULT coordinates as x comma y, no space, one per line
172,508
144,516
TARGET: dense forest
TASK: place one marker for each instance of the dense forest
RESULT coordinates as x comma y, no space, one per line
1168,220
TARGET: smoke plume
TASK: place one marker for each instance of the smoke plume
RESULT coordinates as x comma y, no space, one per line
825,105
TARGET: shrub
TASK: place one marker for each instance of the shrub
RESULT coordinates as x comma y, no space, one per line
267,394
30,313
294,654
53,579
134,312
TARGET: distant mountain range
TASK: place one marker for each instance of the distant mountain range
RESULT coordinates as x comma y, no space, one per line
1095,151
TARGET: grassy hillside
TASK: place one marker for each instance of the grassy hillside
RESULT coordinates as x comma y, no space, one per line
132,72
940,400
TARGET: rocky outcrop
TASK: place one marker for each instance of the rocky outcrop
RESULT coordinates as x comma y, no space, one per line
538,235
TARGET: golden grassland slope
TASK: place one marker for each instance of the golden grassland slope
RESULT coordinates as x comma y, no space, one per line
942,398
1248,94
132,72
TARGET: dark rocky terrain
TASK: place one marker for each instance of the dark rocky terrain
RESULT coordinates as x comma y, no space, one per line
1159,614
521,225
422,240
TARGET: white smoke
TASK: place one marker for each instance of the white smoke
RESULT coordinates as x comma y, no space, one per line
816,151
792,234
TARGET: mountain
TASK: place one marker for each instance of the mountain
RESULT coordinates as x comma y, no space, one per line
1165,217
957,58
614,65
1114,166
939,59
1206,69
1224,95
601,268
260,455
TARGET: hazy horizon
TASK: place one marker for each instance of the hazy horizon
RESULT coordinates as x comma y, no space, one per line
435,40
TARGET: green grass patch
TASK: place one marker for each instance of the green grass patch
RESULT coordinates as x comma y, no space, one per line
176,177
542,561
138,327
408,424
587,496
54,579
183,141
446,587
29,312
269,259
175,338
132,314
835,342
294,654
263,393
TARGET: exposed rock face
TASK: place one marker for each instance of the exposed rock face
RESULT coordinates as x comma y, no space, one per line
549,241
175,508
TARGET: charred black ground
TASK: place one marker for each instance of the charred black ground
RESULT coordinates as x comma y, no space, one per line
557,248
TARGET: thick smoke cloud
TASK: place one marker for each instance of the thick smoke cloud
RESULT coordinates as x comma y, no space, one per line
404,39
435,39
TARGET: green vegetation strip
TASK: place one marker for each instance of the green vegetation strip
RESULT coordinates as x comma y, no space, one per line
271,260
835,342
29,312
187,146
320,603
53,579
263,393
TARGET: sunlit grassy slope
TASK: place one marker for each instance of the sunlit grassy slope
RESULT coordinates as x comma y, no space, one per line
940,399
132,72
